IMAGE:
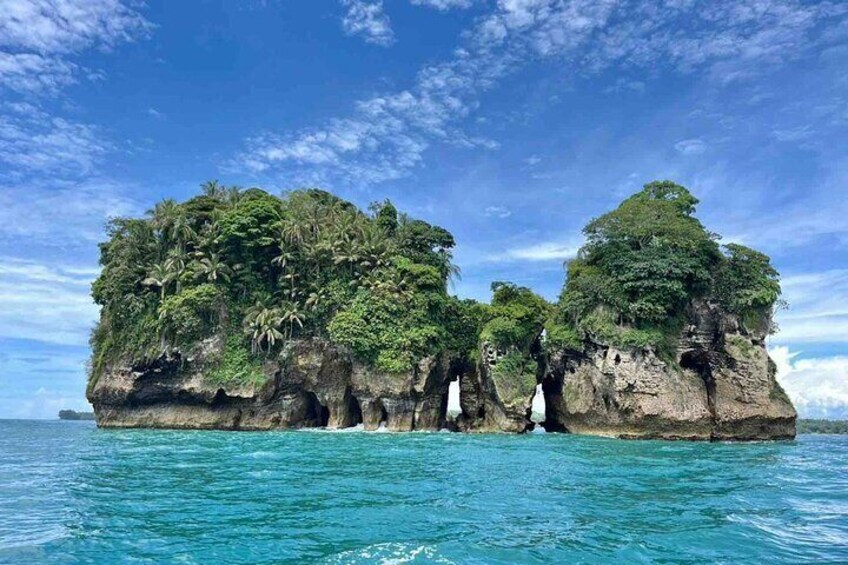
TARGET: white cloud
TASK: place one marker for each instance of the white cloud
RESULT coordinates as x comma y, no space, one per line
45,302
32,72
690,146
444,5
32,140
546,251
818,308
386,136
497,212
817,387
59,214
37,37
367,18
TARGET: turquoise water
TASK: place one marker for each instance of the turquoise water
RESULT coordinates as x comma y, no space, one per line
70,493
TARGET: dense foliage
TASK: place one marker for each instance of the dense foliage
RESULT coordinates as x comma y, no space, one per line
822,426
260,270
263,270
644,262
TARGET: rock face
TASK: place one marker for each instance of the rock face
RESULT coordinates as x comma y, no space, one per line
312,384
720,385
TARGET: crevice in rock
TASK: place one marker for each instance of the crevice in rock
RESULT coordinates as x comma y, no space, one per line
698,362
552,392
317,415
354,410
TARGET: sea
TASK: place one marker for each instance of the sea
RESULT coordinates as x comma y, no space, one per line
73,493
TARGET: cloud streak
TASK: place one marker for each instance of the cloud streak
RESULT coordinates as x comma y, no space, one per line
386,136
818,387
366,18
46,303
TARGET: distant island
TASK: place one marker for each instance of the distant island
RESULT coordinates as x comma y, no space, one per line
74,415
822,426
242,310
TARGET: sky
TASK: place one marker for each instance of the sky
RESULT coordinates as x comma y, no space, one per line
509,122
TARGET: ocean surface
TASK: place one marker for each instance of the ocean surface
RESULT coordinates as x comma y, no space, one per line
71,493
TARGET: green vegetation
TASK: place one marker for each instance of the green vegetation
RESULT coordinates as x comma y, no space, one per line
260,270
236,365
644,262
74,415
513,324
822,426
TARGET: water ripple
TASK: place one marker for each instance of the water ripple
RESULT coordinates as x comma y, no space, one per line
70,493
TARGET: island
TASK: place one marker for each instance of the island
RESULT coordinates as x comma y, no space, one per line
241,310
74,415
814,426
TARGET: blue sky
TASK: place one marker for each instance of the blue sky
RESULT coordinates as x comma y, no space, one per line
509,122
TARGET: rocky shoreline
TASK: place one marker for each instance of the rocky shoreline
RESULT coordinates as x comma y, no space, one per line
720,386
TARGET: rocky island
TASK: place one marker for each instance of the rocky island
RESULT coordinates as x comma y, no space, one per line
241,310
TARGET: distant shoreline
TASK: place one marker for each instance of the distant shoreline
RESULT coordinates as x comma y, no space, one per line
74,415
814,426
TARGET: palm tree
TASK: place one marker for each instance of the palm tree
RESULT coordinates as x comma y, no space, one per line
213,189
181,230
284,258
347,252
292,315
176,264
163,215
294,230
214,268
263,327
159,276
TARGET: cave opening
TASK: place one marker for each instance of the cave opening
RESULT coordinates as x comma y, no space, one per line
317,415
552,393
698,362
354,411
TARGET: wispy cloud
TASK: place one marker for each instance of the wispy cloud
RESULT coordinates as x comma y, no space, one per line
386,136
367,19
497,212
33,140
690,146
818,308
38,37
444,5
45,302
818,387
545,251
61,214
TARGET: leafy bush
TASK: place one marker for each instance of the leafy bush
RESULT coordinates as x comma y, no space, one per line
236,366
189,315
644,262
280,268
561,336
515,375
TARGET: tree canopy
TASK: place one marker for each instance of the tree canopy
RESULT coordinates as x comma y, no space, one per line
645,261
272,269
261,270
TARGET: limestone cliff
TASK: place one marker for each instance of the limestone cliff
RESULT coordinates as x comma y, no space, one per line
720,384
310,384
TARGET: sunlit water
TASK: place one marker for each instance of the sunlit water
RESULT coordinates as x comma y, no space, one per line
70,493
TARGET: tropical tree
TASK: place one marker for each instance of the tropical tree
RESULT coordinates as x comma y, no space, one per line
214,268
160,276
264,328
